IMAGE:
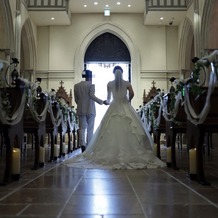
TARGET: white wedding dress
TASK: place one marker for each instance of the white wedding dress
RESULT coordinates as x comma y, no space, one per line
120,141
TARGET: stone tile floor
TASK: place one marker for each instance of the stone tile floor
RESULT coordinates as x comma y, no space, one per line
63,192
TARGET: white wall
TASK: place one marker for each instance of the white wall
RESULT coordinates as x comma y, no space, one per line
153,49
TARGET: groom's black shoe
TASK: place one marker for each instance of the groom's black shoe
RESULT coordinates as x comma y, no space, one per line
83,148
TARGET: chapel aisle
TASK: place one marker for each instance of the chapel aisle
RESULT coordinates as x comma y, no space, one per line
59,191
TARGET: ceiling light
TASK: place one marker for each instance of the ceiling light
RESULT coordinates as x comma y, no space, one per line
129,6
95,3
85,6
161,18
107,12
52,18
106,6
118,3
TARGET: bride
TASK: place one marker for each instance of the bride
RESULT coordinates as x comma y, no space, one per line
120,141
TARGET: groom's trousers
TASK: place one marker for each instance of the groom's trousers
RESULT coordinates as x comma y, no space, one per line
86,128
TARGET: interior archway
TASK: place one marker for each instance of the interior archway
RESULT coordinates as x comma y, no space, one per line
186,51
117,31
107,48
103,53
28,51
6,26
209,25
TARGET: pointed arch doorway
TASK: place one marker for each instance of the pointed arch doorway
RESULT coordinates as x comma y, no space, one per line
105,52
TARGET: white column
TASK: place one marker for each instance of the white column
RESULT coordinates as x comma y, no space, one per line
197,29
8,53
18,31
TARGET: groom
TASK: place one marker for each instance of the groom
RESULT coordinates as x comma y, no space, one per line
84,95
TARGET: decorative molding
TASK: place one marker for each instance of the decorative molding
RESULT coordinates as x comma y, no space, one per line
119,32
56,74
62,93
166,5
159,71
51,5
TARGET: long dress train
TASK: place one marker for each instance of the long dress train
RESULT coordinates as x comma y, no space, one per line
120,141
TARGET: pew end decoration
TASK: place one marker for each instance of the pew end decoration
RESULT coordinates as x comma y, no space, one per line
26,108
202,115
151,116
195,92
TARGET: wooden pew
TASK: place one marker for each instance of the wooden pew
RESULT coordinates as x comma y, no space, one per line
151,115
34,123
158,130
66,127
62,130
52,123
196,132
72,130
153,119
11,126
176,118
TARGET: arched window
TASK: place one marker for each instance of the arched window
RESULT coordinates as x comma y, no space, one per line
107,48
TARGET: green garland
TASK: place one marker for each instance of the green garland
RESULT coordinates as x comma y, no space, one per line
194,87
63,108
152,112
5,103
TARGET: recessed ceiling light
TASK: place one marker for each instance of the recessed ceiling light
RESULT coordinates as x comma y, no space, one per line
161,18
107,12
129,6
95,3
118,3
52,18
85,6
106,6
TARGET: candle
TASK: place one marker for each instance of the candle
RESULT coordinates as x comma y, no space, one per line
56,150
48,148
41,154
63,148
71,145
58,139
169,155
155,149
66,148
66,138
16,161
192,161
76,143
46,140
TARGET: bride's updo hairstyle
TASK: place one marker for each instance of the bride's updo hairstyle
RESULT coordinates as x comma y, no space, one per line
118,73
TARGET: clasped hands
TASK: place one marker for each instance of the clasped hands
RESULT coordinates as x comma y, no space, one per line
105,102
